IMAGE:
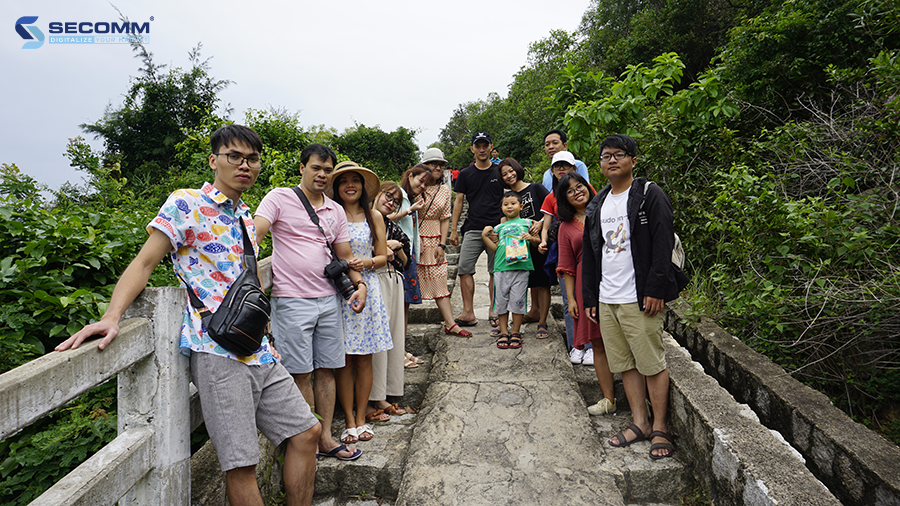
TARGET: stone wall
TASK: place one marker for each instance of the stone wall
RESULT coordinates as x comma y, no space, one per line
860,467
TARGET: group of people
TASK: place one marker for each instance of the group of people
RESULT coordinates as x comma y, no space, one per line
610,251
350,347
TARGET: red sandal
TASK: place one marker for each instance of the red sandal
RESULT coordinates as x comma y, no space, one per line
459,331
503,342
515,340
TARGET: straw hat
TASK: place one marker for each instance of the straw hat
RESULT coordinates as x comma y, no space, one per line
369,178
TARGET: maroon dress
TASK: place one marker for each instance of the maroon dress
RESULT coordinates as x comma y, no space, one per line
570,236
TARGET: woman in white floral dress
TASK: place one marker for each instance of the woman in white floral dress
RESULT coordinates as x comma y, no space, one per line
367,332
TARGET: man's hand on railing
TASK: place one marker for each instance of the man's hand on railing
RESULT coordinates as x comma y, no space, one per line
108,330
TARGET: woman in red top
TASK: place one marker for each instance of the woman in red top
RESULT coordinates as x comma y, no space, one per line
573,194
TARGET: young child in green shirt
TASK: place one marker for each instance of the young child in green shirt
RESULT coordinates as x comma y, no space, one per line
512,264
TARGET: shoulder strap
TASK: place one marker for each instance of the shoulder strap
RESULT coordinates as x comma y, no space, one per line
249,264
313,216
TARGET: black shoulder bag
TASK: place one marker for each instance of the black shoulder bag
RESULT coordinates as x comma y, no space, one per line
337,269
240,322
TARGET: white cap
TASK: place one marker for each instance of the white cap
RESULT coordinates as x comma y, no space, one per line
563,156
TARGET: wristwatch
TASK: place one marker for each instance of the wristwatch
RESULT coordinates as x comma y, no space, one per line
442,246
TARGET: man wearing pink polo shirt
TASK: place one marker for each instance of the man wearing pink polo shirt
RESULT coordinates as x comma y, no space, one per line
306,308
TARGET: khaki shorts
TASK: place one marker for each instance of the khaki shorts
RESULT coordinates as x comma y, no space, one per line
237,399
632,339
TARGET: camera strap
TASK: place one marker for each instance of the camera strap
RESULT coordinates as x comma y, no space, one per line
314,217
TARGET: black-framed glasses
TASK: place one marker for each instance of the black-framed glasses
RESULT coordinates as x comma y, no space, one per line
615,156
575,189
392,200
253,161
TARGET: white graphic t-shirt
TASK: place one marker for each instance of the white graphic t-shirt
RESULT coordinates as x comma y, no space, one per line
617,280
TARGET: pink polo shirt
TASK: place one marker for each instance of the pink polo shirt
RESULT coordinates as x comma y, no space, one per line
300,252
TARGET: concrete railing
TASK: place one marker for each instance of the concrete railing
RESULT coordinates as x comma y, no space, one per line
148,463
858,466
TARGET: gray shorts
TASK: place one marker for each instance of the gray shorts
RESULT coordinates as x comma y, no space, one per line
238,399
309,333
511,292
472,246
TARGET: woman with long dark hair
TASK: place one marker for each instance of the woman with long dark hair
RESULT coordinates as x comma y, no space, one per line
367,332
573,194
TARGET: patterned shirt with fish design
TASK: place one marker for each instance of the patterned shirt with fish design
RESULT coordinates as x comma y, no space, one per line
206,237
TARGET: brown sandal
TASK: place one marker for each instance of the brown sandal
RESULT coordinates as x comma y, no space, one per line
395,409
377,416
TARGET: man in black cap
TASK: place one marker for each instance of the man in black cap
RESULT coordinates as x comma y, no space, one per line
480,185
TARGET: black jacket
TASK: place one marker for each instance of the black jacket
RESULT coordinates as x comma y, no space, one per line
652,240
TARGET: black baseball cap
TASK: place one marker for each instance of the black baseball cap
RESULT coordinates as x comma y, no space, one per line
481,136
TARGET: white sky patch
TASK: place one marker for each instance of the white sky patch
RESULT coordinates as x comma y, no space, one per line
391,64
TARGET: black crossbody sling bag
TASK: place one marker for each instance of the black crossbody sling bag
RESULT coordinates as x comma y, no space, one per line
240,322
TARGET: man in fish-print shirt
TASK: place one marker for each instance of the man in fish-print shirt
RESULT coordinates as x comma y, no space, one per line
201,232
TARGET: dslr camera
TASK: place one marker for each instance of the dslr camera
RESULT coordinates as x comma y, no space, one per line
336,271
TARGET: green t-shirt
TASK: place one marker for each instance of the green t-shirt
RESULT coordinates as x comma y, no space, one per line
512,245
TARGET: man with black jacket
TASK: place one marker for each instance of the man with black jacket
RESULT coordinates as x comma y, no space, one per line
628,277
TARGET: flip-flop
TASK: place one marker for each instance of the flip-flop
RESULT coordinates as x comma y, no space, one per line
459,332
515,340
542,331
661,446
338,449
466,323
495,321
530,319
623,442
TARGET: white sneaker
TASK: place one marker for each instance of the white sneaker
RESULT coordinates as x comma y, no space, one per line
588,357
605,406
576,355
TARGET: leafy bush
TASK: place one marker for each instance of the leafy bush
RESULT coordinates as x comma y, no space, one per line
35,459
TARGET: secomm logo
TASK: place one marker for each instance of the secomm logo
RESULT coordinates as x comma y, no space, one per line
36,32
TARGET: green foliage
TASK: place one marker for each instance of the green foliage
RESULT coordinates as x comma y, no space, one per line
57,266
33,460
620,32
140,136
386,154
778,59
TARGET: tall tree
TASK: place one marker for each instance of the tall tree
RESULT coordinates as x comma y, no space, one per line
140,136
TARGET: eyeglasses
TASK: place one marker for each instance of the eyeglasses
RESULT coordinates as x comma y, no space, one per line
575,189
253,161
388,199
615,156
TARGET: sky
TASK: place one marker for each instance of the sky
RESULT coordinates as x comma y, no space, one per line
337,62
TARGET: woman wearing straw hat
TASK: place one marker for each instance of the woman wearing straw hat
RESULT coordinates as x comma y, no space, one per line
434,225
367,332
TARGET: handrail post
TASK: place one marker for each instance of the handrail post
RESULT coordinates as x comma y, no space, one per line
154,394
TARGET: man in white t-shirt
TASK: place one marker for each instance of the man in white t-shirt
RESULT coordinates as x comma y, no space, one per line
628,275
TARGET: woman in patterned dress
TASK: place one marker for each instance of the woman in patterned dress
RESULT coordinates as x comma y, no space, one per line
367,332
434,224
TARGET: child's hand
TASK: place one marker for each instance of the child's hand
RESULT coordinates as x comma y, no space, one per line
542,247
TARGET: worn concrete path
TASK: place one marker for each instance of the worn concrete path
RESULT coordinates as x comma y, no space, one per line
498,426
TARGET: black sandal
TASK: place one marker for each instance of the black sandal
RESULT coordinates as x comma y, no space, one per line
515,340
503,342
661,446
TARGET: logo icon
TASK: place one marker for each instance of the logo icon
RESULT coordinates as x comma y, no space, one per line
35,32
